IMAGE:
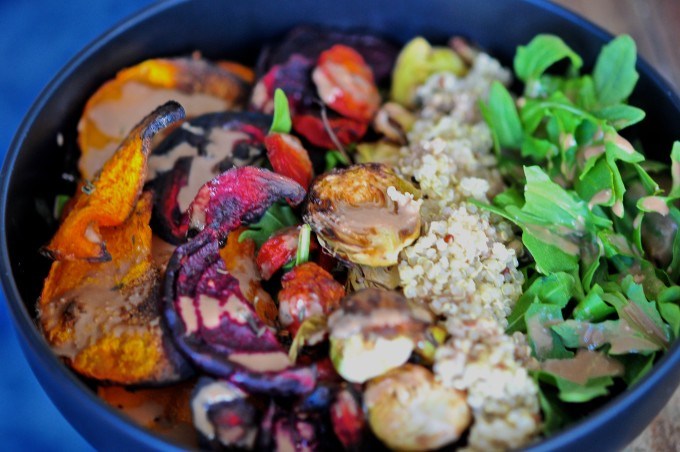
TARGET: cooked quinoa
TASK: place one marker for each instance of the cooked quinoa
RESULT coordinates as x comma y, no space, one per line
464,265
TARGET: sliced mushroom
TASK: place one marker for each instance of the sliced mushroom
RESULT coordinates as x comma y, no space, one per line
364,214
373,331
408,410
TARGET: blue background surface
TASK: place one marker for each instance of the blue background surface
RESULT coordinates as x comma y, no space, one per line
37,38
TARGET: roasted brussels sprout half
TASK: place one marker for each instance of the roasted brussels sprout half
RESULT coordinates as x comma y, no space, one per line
364,214
373,331
408,410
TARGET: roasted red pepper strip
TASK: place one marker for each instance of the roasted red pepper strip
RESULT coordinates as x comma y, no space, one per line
313,129
289,158
345,83
308,290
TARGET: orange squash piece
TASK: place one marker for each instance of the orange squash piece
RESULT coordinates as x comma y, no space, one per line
112,195
104,318
198,85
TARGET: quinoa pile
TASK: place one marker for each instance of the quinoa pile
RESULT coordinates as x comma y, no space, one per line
464,265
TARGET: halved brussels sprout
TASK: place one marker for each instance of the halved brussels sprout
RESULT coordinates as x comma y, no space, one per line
374,331
364,214
409,410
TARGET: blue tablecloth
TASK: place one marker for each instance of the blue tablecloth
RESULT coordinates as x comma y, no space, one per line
37,38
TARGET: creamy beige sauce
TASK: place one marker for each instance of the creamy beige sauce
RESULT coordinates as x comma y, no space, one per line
593,151
601,197
262,361
585,365
208,395
187,313
344,325
117,117
655,204
160,163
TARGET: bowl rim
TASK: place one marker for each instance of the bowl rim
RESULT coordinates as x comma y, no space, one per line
28,332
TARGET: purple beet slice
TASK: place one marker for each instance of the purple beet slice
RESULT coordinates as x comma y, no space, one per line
217,328
240,195
195,153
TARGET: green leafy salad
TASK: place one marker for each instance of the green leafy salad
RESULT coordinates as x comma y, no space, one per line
598,219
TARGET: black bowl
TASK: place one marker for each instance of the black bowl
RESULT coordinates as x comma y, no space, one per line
31,173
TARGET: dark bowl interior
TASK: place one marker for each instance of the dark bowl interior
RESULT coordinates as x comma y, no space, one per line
31,174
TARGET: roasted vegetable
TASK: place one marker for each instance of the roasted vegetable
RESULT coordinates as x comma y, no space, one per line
417,61
408,410
165,411
344,130
239,259
111,197
112,111
237,196
219,330
277,251
393,121
223,415
289,158
374,331
103,318
195,153
308,291
345,83
348,418
364,214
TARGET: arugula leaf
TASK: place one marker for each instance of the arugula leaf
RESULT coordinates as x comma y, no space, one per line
621,115
614,74
578,393
636,366
675,170
501,114
617,333
277,217
592,308
555,417
544,342
532,60
671,314
60,202
335,159
282,122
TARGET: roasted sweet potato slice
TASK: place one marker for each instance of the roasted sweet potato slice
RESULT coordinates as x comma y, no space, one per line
112,195
195,153
219,330
104,318
112,111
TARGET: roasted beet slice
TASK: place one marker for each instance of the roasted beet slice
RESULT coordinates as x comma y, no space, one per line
240,195
219,330
195,153
379,53
347,417
224,415
293,76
